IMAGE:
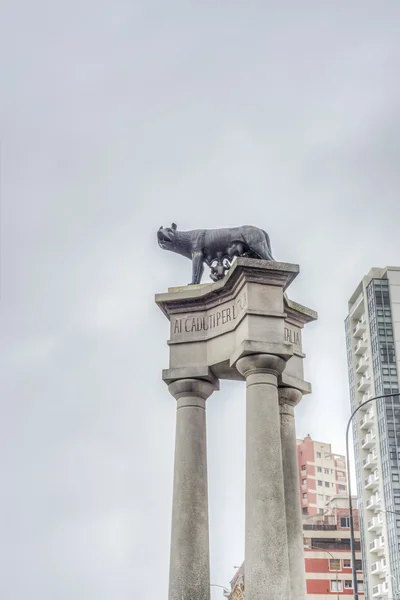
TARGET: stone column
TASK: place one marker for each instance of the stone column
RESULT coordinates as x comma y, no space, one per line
266,555
190,562
288,398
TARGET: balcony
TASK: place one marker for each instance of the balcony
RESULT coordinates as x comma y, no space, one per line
368,419
378,545
357,309
381,590
360,327
368,441
364,398
379,568
361,346
364,382
383,568
374,502
381,545
374,546
371,460
372,481
376,523
362,364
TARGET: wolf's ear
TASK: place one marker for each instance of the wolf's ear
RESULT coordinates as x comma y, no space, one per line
173,226
160,228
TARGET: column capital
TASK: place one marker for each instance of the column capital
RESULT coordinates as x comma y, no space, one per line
253,364
199,388
289,396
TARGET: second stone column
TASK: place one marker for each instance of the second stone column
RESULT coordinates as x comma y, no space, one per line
288,398
266,556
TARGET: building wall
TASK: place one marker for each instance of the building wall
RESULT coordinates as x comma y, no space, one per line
373,344
322,475
326,541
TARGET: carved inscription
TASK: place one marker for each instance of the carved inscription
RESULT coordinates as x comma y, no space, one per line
210,323
292,336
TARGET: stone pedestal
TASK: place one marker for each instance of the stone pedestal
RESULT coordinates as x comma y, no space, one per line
190,556
267,573
241,327
288,398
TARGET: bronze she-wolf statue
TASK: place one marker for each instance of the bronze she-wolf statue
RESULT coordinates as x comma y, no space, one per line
215,247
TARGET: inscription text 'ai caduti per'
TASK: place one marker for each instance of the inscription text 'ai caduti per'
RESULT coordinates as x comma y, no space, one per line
212,320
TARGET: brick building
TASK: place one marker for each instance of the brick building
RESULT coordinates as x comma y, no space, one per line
322,475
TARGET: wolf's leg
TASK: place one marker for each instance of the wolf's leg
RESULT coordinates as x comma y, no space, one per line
262,250
197,267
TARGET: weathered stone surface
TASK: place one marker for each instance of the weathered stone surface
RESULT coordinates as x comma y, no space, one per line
288,399
242,327
266,554
190,561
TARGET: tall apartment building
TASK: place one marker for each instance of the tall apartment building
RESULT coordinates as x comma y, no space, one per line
373,354
322,475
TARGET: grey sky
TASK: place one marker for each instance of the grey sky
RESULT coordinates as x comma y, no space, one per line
117,118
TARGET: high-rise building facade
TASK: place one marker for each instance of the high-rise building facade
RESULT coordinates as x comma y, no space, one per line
322,475
373,354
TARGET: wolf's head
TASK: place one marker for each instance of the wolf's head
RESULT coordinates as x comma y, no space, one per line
166,237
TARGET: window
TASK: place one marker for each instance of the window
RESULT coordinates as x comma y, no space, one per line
347,563
336,586
303,467
345,522
304,482
319,482
305,495
305,510
360,586
348,584
326,471
358,565
342,487
334,564
327,484
319,469
318,454
395,477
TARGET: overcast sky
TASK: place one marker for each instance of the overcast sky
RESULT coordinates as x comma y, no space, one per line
117,118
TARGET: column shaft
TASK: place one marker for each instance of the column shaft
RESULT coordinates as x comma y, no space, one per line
189,561
288,398
266,556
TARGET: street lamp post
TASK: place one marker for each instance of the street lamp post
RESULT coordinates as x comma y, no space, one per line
352,536
333,558
226,591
